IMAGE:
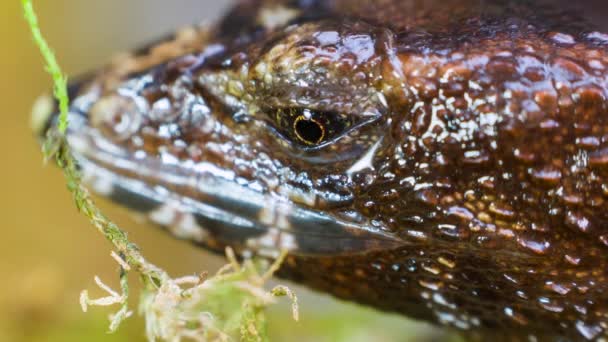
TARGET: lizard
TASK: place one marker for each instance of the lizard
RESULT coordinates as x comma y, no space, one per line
446,160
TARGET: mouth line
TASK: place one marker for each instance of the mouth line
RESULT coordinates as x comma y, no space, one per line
208,206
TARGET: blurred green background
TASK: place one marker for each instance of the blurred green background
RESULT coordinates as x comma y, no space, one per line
49,253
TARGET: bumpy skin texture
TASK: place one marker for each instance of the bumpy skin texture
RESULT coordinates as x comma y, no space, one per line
468,138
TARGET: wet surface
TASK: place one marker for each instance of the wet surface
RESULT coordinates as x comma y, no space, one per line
460,149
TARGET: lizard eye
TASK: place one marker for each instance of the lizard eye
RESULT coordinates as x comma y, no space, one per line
308,128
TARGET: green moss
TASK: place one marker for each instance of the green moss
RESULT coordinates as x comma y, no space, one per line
60,81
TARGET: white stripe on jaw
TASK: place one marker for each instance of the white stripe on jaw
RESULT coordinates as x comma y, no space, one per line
187,228
101,185
276,214
297,195
165,215
272,243
181,224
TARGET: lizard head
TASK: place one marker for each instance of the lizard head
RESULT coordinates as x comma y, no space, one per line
444,159
257,133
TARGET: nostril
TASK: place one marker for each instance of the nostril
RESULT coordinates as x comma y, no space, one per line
117,117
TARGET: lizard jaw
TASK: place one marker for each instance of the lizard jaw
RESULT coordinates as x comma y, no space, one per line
209,207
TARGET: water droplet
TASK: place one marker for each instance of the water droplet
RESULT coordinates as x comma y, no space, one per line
476,321
416,234
599,36
604,239
510,278
487,182
431,269
550,305
537,227
582,288
515,316
562,38
572,199
588,142
412,265
428,197
524,156
452,231
460,212
475,157
581,309
501,209
577,221
589,331
596,64
440,299
599,158
377,266
549,124
557,288
431,285
445,261
548,175
572,259
538,247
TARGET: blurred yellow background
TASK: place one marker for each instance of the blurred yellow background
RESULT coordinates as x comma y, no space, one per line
48,252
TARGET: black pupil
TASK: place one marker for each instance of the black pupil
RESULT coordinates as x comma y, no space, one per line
309,131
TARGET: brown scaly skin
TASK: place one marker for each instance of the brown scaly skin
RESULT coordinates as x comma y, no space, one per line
489,131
